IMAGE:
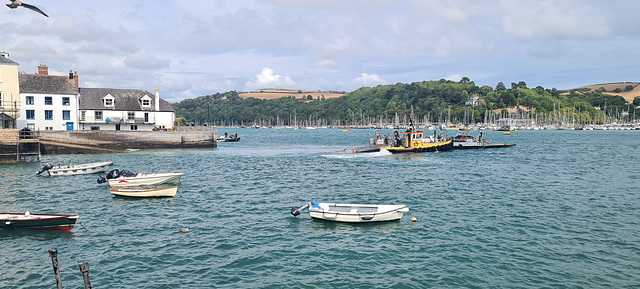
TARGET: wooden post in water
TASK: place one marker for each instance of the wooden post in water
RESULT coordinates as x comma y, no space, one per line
53,253
84,268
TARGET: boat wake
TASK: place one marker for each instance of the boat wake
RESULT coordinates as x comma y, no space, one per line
350,155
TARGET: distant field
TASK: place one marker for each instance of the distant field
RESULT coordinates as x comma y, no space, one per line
610,87
278,93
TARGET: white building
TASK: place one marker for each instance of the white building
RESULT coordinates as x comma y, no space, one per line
123,109
48,102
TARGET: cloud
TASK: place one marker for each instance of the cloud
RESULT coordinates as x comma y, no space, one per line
325,64
267,79
454,77
547,20
369,79
143,60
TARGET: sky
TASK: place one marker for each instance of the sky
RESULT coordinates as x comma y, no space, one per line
200,47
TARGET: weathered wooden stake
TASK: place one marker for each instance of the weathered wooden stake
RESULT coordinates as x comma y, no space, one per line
84,268
53,253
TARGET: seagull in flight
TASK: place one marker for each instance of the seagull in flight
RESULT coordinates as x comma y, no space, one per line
15,3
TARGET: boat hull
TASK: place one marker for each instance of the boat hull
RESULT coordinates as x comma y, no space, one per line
357,213
466,146
145,179
145,193
14,221
422,148
81,169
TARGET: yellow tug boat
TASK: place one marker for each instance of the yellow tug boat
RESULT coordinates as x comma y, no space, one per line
416,142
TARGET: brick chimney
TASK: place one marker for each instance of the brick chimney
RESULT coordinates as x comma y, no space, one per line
43,69
75,77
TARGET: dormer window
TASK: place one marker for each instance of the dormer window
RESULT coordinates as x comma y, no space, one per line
145,101
108,100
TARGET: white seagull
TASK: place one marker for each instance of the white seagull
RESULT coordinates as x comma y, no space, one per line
15,3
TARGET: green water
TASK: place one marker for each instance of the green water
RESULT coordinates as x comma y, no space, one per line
559,210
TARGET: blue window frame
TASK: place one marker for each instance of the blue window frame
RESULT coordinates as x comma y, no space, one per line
48,114
29,100
31,114
48,100
65,101
66,114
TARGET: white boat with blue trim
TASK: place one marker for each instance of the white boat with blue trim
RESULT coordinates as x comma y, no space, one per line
353,213
81,169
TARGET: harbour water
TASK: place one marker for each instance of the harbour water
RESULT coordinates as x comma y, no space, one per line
559,210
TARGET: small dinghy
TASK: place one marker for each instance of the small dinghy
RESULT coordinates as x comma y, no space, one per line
27,220
81,169
145,193
353,213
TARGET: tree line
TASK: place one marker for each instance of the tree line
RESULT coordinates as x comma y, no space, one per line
426,99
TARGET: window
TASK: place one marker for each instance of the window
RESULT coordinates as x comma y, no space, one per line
131,115
146,117
48,114
134,127
145,101
1,104
98,115
29,100
108,100
66,114
83,113
31,114
65,101
48,100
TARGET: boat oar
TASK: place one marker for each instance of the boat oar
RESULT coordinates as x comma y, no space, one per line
296,212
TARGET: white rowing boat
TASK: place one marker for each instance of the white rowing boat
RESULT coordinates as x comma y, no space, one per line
145,193
81,169
353,213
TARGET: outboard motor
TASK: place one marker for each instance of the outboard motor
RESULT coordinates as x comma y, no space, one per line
46,167
112,174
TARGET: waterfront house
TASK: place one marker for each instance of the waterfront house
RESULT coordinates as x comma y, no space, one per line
123,109
48,102
9,91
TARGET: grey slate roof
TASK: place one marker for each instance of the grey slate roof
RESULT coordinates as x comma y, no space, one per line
49,84
4,60
124,99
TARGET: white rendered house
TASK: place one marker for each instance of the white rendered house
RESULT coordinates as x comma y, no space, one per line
48,102
123,109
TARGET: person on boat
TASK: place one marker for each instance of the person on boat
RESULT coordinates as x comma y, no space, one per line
225,134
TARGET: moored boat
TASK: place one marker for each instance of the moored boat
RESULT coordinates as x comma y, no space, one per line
125,178
145,193
465,141
228,138
353,213
9,221
80,169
